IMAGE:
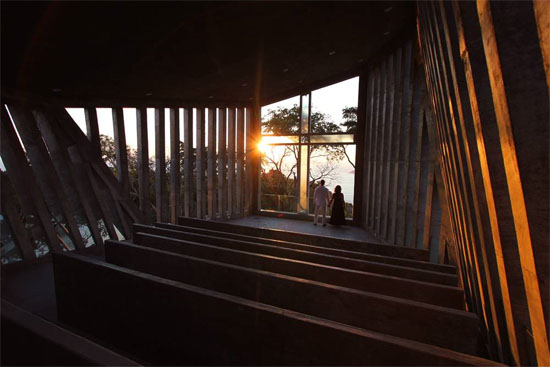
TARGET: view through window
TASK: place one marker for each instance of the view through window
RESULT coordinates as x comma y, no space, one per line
306,139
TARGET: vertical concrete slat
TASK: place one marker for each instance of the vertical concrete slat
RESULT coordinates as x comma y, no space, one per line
402,178
161,197
240,162
381,145
256,156
423,198
121,154
175,180
373,78
403,186
249,166
396,145
222,157
365,188
231,199
388,148
200,162
375,155
211,163
92,128
431,193
188,162
360,150
143,163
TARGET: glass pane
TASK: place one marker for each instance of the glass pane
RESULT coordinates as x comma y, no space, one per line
305,114
303,179
281,118
270,139
279,178
79,117
334,108
337,138
336,165
9,250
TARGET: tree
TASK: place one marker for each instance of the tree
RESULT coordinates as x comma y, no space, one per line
108,153
281,178
286,121
349,114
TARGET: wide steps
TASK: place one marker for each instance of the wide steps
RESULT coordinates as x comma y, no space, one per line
306,255
423,265
441,326
184,295
442,295
166,322
331,242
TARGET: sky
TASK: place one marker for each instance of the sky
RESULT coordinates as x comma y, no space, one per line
329,100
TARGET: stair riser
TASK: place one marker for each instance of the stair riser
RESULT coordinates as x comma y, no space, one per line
422,265
325,259
387,250
397,287
446,328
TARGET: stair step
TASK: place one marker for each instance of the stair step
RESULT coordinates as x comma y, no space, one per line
332,242
303,255
444,327
423,265
437,294
172,323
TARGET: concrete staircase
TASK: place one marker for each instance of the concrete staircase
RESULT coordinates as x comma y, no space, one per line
213,293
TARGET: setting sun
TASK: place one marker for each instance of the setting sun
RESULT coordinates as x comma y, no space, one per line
263,146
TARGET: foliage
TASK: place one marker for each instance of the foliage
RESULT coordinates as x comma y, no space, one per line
286,121
282,121
349,114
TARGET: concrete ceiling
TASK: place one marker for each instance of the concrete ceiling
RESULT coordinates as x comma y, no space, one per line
190,51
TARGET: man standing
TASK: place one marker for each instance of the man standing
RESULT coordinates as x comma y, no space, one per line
321,197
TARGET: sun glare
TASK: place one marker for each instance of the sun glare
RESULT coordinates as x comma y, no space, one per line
263,146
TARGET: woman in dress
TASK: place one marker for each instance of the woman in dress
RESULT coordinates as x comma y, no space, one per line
337,215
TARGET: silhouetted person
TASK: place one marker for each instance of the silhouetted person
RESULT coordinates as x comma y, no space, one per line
321,197
337,216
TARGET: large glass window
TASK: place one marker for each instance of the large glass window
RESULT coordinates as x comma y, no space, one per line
279,178
306,139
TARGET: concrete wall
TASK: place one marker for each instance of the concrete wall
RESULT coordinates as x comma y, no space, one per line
400,201
486,66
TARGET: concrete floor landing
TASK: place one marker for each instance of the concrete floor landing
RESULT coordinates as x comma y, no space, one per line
302,226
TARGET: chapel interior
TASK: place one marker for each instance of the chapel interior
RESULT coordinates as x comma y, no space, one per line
159,164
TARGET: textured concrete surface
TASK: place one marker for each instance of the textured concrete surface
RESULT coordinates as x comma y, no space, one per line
32,289
293,225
